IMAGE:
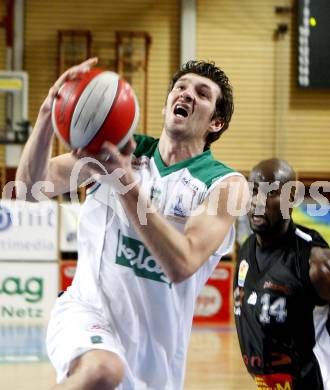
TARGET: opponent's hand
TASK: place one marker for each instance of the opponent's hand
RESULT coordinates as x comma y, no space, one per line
320,271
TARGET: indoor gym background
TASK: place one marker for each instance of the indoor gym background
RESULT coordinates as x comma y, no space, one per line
277,113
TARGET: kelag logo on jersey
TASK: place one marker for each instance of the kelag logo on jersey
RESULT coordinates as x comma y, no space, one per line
133,254
5,218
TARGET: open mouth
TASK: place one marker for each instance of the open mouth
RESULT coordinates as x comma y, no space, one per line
180,111
258,219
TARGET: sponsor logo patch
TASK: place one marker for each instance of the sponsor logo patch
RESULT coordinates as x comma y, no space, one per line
274,382
133,254
96,339
242,272
97,328
272,286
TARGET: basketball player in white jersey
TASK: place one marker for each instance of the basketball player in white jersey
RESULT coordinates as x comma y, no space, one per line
144,253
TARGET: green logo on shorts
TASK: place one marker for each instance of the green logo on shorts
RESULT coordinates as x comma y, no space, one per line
96,339
133,254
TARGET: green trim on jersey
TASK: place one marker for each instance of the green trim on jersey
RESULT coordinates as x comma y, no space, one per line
203,167
145,145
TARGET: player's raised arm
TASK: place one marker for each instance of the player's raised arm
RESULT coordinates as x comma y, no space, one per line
36,164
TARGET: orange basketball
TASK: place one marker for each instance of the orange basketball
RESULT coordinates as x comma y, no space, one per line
95,107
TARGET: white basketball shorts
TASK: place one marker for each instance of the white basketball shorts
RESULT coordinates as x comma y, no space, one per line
76,328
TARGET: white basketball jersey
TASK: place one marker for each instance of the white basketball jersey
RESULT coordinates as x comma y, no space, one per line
152,316
322,343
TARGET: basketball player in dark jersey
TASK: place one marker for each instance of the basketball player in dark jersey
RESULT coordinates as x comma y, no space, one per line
282,292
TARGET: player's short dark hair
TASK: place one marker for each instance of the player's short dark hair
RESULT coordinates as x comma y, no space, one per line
224,106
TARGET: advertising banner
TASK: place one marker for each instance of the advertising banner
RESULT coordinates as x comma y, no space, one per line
22,344
213,305
27,292
69,217
314,216
28,231
67,272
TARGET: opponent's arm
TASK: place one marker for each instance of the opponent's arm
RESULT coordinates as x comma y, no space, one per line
319,271
36,164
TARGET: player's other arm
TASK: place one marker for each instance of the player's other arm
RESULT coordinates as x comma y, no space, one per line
181,255
38,173
319,272
36,164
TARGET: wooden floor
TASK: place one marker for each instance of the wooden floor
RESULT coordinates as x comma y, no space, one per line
214,363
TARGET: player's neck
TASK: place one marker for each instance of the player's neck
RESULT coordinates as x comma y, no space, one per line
173,151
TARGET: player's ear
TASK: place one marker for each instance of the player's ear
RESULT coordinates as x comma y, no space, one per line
216,125
163,110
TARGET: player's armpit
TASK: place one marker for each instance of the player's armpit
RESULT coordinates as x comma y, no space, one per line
319,272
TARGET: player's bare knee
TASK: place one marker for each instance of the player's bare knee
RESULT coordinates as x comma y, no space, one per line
106,371
109,373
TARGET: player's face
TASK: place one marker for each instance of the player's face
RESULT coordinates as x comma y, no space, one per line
190,107
272,219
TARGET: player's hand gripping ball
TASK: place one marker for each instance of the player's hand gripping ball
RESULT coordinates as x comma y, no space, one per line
95,107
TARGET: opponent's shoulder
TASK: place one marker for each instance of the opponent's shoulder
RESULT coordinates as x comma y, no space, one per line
311,236
313,263
145,145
